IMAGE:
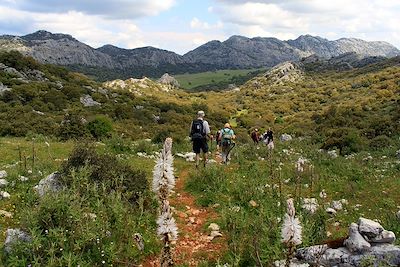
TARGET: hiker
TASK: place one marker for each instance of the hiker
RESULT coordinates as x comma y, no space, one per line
227,136
268,138
199,131
255,136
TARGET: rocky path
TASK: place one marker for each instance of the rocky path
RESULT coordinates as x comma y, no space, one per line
195,244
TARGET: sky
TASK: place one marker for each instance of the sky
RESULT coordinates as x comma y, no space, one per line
182,25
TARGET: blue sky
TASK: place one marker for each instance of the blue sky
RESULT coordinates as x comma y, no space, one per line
182,25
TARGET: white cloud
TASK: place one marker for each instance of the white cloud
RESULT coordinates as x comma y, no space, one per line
195,23
366,19
116,9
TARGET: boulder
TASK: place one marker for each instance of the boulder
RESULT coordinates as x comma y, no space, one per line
88,101
332,153
285,137
169,80
4,194
14,236
384,237
330,211
3,174
3,88
369,228
355,242
213,227
3,183
49,184
337,205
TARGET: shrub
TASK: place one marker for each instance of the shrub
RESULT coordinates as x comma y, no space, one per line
72,127
380,142
100,127
105,169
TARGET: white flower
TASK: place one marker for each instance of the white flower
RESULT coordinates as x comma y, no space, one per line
163,173
167,225
291,229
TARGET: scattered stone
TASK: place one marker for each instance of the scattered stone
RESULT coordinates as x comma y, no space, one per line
49,184
337,205
253,203
310,204
369,228
398,214
384,237
311,254
323,194
3,174
356,243
23,178
331,211
286,137
192,220
6,214
3,183
4,194
213,227
293,263
88,101
3,88
215,234
195,212
189,156
14,236
90,215
333,154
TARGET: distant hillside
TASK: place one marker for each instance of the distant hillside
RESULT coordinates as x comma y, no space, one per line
238,52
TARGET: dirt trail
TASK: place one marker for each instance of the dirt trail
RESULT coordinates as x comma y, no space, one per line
194,245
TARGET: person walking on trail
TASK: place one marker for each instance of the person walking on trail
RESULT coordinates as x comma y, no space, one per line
199,132
269,138
227,136
255,136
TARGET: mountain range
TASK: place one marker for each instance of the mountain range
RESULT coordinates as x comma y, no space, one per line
237,52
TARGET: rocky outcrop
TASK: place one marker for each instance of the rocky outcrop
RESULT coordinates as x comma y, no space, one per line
144,86
368,244
49,184
87,101
13,237
168,80
286,72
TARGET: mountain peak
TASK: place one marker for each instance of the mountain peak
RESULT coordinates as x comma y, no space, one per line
45,35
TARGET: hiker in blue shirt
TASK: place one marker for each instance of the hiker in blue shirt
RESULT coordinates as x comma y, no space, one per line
226,136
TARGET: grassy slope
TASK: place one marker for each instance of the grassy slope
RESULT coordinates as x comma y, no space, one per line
190,81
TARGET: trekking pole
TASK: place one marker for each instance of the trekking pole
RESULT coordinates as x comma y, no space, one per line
229,151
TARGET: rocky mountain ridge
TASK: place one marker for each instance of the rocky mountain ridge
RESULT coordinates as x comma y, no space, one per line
237,52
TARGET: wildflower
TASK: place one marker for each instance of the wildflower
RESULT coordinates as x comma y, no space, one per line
167,226
163,173
291,230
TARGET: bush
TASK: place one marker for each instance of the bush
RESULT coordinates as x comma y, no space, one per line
72,127
100,127
380,142
105,169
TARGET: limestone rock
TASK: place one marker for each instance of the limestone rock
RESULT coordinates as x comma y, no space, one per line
384,237
253,203
213,227
14,236
3,88
169,80
215,234
369,228
3,174
355,242
3,183
337,205
49,184
331,211
311,254
88,101
332,153
23,178
286,137
4,194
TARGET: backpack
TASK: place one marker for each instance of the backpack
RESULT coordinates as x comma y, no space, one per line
226,137
197,131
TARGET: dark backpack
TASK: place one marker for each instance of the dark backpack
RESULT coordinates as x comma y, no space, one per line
197,131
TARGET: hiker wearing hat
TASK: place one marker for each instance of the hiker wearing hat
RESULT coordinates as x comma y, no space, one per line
226,136
199,131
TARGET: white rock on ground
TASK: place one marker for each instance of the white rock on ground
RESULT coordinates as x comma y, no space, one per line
369,228
355,242
3,183
286,137
337,205
332,153
310,204
4,194
331,211
6,214
23,178
13,237
384,237
49,184
213,227
3,174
